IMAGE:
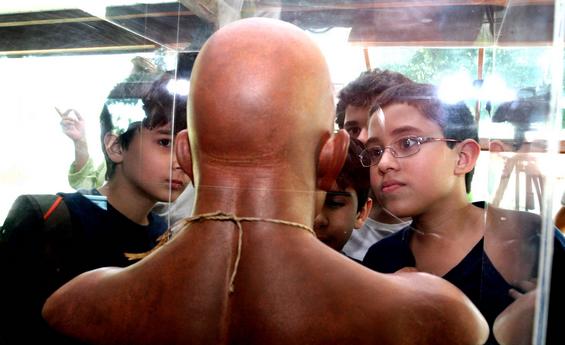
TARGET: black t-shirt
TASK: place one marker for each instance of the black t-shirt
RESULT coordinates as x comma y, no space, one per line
477,277
34,262
474,275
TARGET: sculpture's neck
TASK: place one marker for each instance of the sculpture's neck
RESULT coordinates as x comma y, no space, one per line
275,203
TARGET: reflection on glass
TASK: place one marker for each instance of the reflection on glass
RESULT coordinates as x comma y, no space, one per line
497,58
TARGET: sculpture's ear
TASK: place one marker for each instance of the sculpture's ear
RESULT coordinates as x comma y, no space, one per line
332,157
182,151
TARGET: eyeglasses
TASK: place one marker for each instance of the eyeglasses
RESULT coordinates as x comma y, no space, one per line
403,147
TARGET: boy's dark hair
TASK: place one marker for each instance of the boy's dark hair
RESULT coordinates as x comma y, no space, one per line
362,91
159,105
354,175
455,120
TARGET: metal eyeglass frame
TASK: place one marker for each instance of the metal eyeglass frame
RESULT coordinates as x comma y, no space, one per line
365,154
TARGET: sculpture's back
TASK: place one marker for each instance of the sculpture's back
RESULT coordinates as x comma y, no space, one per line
247,268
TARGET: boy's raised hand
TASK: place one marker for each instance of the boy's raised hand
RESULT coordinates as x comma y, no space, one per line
74,128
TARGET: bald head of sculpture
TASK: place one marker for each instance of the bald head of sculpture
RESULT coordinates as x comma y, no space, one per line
261,98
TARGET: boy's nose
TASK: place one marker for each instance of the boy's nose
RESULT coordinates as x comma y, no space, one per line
363,135
320,222
388,161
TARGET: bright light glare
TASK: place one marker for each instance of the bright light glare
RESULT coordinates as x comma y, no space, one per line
459,87
180,87
494,89
344,60
124,114
456,88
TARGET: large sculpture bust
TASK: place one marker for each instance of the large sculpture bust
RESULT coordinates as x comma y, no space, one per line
259,148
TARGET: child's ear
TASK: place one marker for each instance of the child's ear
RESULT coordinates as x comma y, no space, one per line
331,159
363,214
113,147
182,150
468,154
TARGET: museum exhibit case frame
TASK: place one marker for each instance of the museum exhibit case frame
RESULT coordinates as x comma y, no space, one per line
503,58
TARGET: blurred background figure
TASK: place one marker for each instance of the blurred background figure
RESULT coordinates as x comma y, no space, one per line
82,173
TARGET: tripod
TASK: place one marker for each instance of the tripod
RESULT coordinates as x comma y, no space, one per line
521,164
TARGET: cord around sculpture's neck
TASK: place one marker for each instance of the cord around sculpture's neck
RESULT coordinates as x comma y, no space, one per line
184,225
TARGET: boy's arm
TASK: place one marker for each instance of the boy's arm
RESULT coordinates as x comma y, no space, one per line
74,128
88,177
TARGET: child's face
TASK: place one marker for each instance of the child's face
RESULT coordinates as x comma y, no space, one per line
147,166
410,185
336,220
355,122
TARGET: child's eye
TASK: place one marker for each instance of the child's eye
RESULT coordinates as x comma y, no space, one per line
165,142
407,143
333,203
353,131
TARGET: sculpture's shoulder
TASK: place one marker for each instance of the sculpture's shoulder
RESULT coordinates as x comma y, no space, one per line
434,311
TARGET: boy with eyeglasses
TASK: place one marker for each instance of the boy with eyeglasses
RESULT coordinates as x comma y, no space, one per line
422,153
355,101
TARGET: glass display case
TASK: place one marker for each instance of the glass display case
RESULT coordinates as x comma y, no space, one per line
503,58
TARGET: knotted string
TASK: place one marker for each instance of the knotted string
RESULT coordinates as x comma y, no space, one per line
220,216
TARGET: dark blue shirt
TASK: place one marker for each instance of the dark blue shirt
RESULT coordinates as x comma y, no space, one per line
36,259
476,276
